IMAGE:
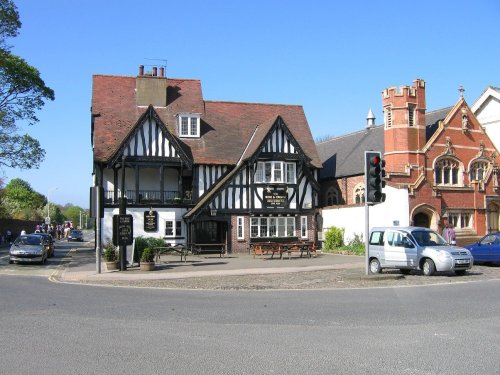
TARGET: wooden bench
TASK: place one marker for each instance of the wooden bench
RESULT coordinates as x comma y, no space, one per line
262,248
208,248
179,249
299,247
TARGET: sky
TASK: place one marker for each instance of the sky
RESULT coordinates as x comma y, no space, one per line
332,57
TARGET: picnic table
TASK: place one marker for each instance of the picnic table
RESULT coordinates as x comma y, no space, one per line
179,249
265,248
208,248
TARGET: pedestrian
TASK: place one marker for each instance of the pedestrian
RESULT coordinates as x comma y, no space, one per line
449,234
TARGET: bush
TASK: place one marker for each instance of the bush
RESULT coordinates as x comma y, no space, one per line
141,243
110,253
334,238
148,255
357,240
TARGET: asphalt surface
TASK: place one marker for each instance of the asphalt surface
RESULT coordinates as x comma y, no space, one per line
244,272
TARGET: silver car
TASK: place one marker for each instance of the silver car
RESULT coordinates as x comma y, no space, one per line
28,248
415,248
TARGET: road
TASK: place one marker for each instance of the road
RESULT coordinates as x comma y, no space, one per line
56,328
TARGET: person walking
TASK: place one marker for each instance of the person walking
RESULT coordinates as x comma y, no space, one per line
449,234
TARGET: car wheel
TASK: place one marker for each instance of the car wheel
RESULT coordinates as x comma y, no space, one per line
405,271
428,268
375,266
460,272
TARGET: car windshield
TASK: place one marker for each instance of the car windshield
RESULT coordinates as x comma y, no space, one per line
76,233
428,238
28,240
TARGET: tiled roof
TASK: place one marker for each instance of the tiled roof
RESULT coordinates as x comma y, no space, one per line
344,156
226,127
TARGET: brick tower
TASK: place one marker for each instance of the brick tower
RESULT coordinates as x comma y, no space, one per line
404,126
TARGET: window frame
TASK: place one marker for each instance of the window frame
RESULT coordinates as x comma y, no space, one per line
447,172
272,226
188,125
359,193
240,227
175,227
304,233
275,172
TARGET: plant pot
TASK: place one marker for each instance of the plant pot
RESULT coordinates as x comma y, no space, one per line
111,266
147,266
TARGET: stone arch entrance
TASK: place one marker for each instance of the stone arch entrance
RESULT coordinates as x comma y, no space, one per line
425,216
493,216
421,220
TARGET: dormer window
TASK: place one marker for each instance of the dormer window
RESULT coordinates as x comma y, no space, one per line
188,125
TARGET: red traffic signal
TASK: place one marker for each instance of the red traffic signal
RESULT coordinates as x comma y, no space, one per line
374,177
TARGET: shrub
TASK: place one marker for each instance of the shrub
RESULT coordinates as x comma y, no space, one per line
148,255
110,254
141,243
357,240
334,238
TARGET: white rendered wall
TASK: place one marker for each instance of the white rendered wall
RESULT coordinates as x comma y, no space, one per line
394,211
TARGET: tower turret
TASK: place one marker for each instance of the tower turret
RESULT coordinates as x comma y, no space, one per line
404,125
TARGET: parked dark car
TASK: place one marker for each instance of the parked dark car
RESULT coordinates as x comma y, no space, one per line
75,235
28,248
487,249
48,242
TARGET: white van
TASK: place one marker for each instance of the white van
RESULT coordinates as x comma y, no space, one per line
415,248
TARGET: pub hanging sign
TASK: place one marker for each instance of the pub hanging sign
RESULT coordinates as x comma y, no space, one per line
150,221
275,197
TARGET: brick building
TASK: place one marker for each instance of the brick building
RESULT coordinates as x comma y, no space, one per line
442,159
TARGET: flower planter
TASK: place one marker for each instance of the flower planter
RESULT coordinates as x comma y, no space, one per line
147,266
111,266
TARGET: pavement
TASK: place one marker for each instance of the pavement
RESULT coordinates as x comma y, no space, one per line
243,271
82,266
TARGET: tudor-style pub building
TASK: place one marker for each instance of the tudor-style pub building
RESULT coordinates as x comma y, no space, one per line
201,172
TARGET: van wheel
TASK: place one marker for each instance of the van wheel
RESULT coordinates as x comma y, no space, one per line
405,271
375,266
428,267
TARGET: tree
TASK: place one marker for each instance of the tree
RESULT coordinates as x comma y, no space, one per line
22,93
21,201
72,213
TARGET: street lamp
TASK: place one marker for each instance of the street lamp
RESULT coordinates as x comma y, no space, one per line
48,204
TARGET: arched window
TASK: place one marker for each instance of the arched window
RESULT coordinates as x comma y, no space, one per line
478,170
446,172
332,196
359,194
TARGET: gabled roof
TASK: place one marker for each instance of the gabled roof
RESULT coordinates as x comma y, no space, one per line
490,91
226,127
344,156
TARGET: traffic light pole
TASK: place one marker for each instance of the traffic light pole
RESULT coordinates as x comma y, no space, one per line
367,235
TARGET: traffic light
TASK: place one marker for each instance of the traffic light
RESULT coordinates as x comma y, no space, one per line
374,177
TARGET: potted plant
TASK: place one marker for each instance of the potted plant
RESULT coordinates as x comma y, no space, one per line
147,259
110,256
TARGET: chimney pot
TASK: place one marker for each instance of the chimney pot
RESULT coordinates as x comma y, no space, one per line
162,72
155,71
141,70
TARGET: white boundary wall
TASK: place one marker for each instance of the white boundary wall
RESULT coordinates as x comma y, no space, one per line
393,212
